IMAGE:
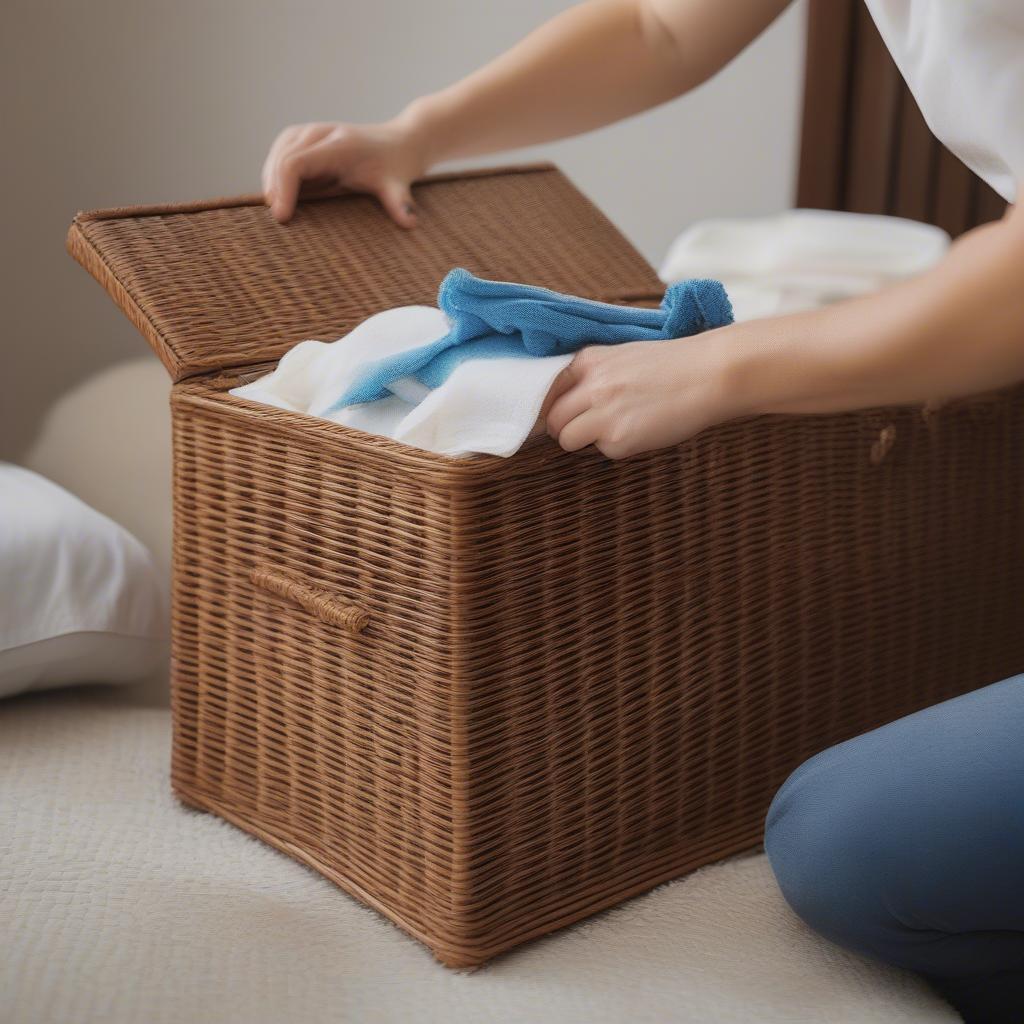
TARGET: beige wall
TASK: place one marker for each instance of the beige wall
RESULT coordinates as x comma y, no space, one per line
110,102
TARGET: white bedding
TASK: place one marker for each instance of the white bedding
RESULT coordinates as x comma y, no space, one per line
80,597
801,259
117,906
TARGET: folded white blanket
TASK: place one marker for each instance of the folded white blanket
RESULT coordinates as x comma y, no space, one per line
802,258
769,265
488,405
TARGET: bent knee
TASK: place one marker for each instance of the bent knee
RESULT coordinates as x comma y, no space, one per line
830,850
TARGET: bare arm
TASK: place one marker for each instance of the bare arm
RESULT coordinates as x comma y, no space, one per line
954,331
594,64
588,67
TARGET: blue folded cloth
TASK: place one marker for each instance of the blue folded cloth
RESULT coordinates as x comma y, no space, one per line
499,319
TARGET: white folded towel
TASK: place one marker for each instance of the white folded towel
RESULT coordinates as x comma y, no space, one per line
487,405
769,265
802,258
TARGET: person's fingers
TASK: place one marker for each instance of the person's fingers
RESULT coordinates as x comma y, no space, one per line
562,382
581,431
567,406
285,140
268,162
396,198
284,187
308,163
291,141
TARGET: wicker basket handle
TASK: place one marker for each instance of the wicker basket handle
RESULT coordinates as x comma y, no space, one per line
324,606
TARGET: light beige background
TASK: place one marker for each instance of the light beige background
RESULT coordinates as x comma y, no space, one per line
111,102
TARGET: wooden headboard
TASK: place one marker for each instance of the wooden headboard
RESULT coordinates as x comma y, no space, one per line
865,146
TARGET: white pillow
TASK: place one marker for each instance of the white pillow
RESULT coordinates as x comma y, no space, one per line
80,597
802,259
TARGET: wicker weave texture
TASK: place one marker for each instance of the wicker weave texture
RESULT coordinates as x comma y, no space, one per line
215,285
490,697
578,678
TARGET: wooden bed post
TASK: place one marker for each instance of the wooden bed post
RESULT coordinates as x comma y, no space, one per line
865,146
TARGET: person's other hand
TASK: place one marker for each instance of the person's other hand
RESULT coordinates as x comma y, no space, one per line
382,159
631,398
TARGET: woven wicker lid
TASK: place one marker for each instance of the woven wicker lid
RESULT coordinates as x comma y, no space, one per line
220,284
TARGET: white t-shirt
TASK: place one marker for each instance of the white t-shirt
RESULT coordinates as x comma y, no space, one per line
964,62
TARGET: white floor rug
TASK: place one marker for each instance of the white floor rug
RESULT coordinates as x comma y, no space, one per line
117,906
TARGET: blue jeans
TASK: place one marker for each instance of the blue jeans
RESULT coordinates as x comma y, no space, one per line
907,844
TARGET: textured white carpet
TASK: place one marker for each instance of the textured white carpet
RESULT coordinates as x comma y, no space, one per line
117,906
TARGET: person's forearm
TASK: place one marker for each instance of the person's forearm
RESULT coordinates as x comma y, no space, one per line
955,331
594,64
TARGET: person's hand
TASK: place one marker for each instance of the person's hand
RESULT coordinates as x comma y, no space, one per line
631,398
382,159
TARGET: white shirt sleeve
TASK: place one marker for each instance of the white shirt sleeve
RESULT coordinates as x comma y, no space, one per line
964,62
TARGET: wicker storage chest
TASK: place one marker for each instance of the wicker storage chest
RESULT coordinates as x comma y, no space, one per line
490,697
